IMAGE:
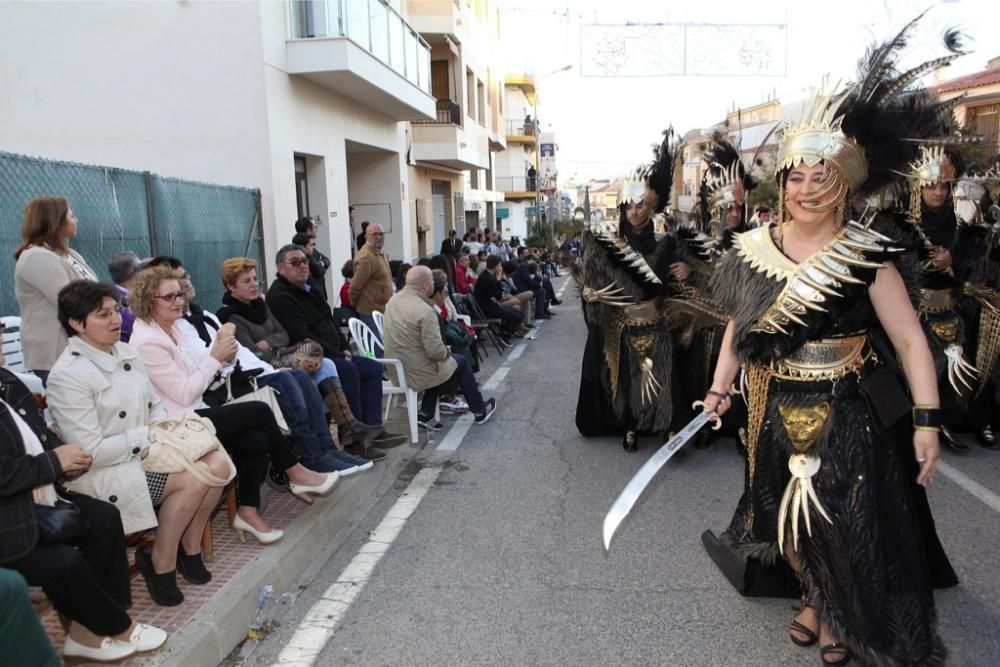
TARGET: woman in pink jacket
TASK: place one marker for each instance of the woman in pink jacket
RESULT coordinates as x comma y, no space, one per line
181,375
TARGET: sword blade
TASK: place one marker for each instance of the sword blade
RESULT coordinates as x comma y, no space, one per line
630,494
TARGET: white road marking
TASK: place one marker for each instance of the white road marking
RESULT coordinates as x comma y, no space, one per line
991,499
494,382
453,438
317,626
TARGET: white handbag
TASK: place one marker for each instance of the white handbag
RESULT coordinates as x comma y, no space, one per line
176,445
266,395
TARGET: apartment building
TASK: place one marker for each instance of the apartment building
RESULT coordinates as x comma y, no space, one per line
979,108
514,176
453,154
306,100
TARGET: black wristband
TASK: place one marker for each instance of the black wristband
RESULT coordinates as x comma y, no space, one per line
926,417
720,394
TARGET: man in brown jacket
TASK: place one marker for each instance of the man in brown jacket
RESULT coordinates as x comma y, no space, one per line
413,335
371,286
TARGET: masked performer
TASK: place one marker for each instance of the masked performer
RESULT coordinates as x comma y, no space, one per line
624,276
811,300
957,300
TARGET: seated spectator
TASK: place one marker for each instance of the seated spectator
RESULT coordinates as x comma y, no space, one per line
489,297
464,277
316,270
122,268
459,338
523,281
181,374
524,299
399,278
304,316
413,335
45,264
347,271
22,638
100,396
87,580
444,263
480,264
301,403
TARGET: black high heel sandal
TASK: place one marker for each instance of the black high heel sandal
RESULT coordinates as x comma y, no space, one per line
630,443
811,636
953,442
987,438
834,648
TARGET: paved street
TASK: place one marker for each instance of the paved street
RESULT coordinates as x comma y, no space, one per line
501,561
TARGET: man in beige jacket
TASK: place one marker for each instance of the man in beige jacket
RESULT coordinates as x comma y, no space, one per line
371,286
413,335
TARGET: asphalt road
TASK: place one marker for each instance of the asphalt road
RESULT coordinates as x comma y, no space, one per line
502,563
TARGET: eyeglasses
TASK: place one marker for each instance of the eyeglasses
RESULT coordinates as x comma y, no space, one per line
298,261
378,233
170,298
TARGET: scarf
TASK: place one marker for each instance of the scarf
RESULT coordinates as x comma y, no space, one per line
255,311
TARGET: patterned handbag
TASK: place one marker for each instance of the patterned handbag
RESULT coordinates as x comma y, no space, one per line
176,445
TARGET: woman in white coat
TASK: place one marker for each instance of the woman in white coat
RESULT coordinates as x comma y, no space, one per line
45,264
101,397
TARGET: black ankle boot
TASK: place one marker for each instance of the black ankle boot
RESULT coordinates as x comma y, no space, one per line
162,587
192,568
630,443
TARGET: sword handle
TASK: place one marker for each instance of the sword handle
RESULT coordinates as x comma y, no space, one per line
716,421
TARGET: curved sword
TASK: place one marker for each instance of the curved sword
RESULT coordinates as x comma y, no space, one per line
630,494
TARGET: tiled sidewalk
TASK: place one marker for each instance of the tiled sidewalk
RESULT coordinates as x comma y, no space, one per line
231,558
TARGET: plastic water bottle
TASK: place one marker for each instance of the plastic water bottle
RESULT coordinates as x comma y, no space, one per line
264,600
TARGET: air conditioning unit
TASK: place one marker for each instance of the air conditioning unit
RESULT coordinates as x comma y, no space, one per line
425,214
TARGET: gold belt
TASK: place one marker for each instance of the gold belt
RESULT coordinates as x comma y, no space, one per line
934,301
632,315
829,359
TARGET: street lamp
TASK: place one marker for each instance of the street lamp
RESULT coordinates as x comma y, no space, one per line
538,162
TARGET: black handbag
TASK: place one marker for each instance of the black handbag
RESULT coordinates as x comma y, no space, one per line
887,399
62,523
240,381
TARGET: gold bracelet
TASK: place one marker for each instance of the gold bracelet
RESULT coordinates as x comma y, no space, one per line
929,406
936,429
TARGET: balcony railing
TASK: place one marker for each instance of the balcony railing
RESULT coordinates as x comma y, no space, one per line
515,184
448,113
519,128
371,24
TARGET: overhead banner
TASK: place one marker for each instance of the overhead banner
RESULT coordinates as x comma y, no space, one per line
683,49
547,162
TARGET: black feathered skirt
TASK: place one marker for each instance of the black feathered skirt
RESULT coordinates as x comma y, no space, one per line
867,571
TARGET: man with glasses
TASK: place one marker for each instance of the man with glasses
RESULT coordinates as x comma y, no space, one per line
305,315
371,286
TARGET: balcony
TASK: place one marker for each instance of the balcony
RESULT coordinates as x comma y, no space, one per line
448,112
520,132
450,145
516,187
435,17
364,50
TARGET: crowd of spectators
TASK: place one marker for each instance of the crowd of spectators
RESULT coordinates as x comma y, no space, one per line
120,358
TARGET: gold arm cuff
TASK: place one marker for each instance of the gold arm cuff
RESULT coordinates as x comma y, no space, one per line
936,429
926,406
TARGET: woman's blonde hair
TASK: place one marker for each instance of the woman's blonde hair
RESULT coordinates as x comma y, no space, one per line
142,296
44,218
233,268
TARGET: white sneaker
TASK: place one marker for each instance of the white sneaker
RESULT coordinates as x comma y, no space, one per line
454,406
110,650
147,637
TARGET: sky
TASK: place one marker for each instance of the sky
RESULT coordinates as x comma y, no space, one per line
605,126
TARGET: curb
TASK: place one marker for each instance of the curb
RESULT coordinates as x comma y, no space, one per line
223,623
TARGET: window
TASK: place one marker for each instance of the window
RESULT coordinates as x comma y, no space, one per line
470,86
481,97
301,187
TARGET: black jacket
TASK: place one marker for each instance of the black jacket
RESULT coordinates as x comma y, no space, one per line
488,293
20,473
451,247
305,315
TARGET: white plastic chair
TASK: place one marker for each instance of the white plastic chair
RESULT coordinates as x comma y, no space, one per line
379,324
366,341
14,360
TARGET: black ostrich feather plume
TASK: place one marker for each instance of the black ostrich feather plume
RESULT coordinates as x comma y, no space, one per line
887,113
723,155
660,176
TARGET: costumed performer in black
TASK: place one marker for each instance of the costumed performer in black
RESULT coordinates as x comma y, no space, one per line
812,300
955,300
625,383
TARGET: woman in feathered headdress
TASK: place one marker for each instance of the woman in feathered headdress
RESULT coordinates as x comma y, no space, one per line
625,384
816,312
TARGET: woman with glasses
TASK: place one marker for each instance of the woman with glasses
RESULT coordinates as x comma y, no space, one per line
181,374
45,264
